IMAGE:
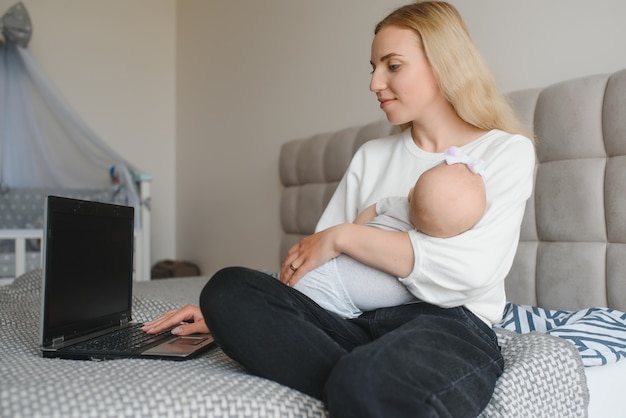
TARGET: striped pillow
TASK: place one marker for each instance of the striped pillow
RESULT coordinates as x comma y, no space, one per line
598,333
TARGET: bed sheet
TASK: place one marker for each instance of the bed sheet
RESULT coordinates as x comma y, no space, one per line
606,390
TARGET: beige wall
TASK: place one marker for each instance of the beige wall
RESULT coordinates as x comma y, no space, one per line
533,43
114,62
252,75
202,93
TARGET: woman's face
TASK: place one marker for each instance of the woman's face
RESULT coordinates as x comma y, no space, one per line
402,78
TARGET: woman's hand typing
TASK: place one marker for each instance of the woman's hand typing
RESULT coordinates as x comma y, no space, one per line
189,313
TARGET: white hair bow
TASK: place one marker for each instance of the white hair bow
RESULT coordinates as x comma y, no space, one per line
455,155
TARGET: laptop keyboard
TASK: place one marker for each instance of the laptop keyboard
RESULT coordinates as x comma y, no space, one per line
125,340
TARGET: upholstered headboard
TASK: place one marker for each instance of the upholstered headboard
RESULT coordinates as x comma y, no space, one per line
572,251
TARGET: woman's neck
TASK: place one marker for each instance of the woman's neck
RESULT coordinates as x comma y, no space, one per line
437,137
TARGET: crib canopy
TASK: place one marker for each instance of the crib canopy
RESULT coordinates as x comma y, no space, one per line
43,142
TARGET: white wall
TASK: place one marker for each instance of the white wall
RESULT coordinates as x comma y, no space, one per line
114,63
252,75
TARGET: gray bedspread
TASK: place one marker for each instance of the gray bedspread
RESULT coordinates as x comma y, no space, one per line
543,374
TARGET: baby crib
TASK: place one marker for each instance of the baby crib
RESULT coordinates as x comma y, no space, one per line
21,226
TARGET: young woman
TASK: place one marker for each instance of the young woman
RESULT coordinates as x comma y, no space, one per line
438,357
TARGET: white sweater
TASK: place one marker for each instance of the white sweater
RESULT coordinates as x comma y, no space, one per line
465,270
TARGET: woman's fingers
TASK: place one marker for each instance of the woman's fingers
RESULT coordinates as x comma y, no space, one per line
295,264
193,328
289,266
175,317
311,252
162,319
302,258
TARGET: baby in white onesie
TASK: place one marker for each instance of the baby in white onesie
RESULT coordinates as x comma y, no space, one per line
447,200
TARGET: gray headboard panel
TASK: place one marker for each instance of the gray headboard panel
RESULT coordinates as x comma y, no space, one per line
572,251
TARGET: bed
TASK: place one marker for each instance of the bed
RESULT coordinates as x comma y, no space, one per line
570,269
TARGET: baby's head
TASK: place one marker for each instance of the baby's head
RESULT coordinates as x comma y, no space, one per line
447,200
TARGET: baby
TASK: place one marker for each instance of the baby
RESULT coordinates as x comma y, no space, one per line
447,200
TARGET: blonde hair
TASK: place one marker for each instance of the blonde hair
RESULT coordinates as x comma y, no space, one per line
461,72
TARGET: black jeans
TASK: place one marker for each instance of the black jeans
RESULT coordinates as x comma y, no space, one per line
415,360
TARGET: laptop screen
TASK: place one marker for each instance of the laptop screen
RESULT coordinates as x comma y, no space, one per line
88,267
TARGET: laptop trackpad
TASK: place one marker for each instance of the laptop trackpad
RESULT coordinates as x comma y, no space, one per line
180,346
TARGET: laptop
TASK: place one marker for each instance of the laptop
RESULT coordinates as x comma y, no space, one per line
87,287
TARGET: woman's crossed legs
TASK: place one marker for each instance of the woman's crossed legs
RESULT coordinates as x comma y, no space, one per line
414,360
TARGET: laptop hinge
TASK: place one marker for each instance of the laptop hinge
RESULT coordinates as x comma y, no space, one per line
124,322
58,341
